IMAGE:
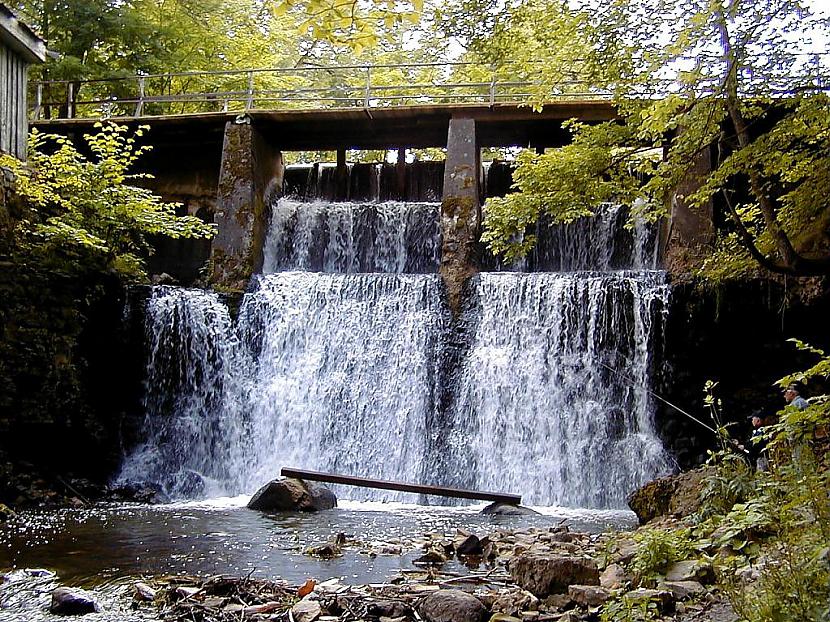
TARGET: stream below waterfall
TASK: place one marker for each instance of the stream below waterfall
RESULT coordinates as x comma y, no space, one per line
106,548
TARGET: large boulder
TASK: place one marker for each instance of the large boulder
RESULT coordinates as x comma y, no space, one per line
451,606
507,509
543,575
72,602
287,494
588,595
678,495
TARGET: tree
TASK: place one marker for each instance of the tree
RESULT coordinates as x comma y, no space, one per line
87,210
733,74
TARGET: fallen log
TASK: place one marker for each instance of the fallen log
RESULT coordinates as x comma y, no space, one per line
365,482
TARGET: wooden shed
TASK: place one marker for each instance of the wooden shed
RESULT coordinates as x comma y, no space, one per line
19,48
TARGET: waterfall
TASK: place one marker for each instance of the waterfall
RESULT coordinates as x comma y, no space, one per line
352,237
191,371
550,400
344,358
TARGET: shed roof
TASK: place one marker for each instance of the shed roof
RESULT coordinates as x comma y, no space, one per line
20,38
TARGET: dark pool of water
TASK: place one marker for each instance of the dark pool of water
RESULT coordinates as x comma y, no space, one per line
100,548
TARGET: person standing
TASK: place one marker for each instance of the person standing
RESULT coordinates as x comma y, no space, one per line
792,394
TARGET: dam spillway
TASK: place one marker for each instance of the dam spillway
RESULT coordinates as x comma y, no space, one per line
344,357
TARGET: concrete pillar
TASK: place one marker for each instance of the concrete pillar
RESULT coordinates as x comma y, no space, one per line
250,178
691,230
341,177
460,210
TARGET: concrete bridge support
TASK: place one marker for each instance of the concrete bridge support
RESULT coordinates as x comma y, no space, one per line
460,210
691,229
249,179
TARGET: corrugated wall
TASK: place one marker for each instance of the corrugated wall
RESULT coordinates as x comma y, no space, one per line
13,121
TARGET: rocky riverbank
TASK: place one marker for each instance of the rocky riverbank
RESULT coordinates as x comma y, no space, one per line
540,574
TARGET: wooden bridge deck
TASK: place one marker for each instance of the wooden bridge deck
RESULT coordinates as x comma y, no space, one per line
497,125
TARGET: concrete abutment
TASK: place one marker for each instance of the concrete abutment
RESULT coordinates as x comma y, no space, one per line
250,178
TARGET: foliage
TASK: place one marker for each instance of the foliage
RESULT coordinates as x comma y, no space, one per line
352,22
732,482
658,549
625,609
88,209
731,75
779,520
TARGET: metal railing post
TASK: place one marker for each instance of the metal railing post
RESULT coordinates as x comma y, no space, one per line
38,101
249,103
70,96
367,97
492,85
139,107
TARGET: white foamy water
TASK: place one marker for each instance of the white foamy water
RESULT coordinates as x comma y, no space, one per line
355,366
352,237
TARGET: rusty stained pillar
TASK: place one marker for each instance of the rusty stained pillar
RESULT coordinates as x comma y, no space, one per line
400,174
250,178
460,210
691,230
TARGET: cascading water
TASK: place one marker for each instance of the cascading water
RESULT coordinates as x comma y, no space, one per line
352,237
191,369
354,365
536,409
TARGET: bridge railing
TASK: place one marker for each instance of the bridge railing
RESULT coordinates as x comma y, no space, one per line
342,86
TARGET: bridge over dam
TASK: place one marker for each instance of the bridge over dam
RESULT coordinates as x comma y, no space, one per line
229,166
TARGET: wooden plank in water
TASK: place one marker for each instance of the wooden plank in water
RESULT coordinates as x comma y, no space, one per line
440,491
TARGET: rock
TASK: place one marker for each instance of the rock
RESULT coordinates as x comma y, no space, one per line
544,575
512,601
613,577
625,552
72,602
691,570
507,509
501,617
388,609
6,513
328,550
143,592
306,611
563,536
559,602
678,495
471,545
139,492
664,599
163,279
430,558
682,589
186,591
290,495
451,606
588,595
